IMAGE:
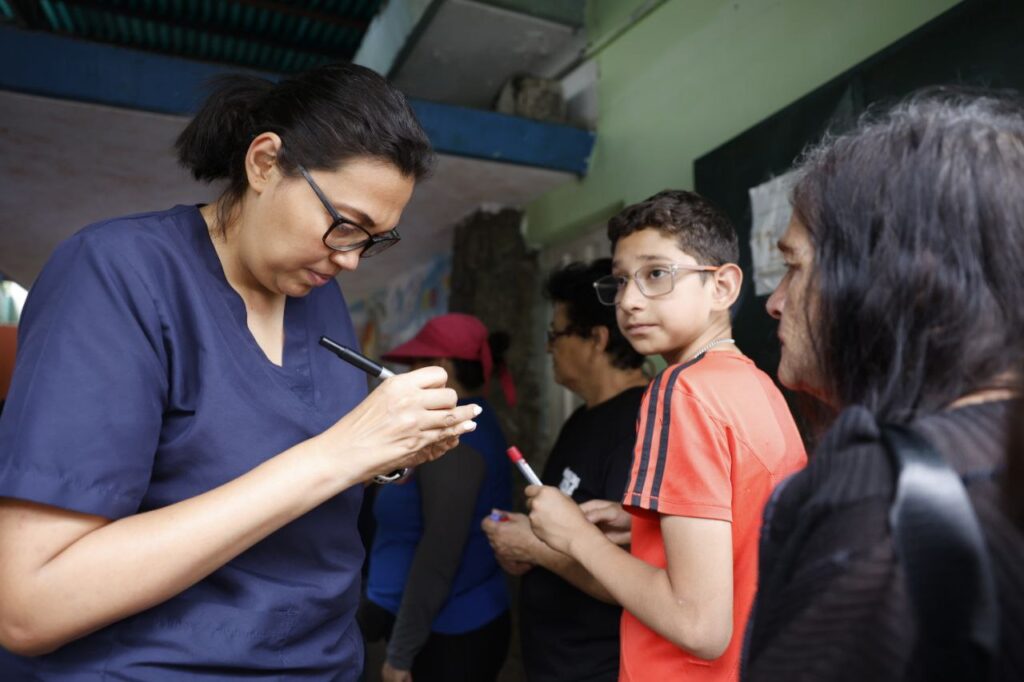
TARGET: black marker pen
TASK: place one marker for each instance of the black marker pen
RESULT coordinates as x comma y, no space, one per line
357,359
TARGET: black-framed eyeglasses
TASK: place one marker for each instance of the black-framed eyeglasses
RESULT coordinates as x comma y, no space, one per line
345,235
656,279
555,334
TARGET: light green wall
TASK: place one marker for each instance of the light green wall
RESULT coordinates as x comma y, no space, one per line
693,74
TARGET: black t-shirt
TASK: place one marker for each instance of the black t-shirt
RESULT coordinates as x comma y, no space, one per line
566,634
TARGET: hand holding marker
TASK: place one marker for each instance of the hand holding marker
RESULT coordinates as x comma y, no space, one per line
373,369
527,471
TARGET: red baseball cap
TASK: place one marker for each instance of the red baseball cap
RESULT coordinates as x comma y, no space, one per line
454,335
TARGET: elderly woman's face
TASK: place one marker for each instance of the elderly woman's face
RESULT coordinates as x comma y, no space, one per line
798,367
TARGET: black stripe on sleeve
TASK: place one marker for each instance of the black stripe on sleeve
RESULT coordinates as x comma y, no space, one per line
645,451
666,423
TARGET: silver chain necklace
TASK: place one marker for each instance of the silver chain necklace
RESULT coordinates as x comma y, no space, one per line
706,347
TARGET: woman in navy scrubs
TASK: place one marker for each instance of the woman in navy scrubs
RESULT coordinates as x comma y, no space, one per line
180,464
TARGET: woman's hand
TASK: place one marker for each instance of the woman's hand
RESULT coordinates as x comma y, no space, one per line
555,518
614,521
409,419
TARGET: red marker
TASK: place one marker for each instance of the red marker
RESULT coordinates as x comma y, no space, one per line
517,458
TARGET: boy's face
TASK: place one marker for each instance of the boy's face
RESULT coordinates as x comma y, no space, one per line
671,323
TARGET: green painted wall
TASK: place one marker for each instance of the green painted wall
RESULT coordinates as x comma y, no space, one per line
693,74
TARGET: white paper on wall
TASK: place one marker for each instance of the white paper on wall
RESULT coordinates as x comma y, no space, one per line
770,212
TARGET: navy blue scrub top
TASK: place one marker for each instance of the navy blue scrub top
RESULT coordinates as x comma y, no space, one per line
138,385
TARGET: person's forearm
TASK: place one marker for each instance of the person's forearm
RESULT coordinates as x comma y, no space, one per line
570,570
134,563
643,590
448,490
427,589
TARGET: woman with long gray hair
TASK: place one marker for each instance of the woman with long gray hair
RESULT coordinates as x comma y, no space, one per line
902,309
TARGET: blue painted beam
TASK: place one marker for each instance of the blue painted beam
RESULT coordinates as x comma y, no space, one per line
489,135
64,68
54,66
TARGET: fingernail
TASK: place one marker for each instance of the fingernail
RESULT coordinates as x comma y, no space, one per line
477,410
468,426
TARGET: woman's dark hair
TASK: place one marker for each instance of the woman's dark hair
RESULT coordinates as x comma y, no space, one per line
470,373
573,285
324,116
701,228
917,222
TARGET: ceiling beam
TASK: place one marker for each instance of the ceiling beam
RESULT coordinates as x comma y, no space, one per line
53,66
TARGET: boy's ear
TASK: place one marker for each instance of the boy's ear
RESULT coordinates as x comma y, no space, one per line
728,280
261,159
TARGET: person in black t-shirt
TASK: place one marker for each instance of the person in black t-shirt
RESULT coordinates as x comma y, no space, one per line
566,633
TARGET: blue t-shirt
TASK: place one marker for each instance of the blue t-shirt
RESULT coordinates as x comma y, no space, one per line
479,591
138,385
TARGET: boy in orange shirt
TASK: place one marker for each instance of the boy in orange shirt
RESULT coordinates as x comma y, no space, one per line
714,437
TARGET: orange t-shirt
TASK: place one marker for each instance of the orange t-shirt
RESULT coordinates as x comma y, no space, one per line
714,437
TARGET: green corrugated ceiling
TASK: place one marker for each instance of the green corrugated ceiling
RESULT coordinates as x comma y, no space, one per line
268,35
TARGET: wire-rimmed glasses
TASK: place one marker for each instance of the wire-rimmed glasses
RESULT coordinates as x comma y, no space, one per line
656,279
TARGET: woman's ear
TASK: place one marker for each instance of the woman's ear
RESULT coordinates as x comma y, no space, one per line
728,281
599,335
261,160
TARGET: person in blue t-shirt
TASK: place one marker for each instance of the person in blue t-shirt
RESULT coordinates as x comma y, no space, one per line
435,589
181,466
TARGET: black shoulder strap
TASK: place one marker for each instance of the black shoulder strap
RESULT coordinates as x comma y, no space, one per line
942,551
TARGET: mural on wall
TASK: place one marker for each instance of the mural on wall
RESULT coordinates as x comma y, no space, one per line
391,315
770,211
12,298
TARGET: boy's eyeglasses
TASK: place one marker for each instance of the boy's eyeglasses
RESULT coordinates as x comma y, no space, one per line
345,235
652,280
